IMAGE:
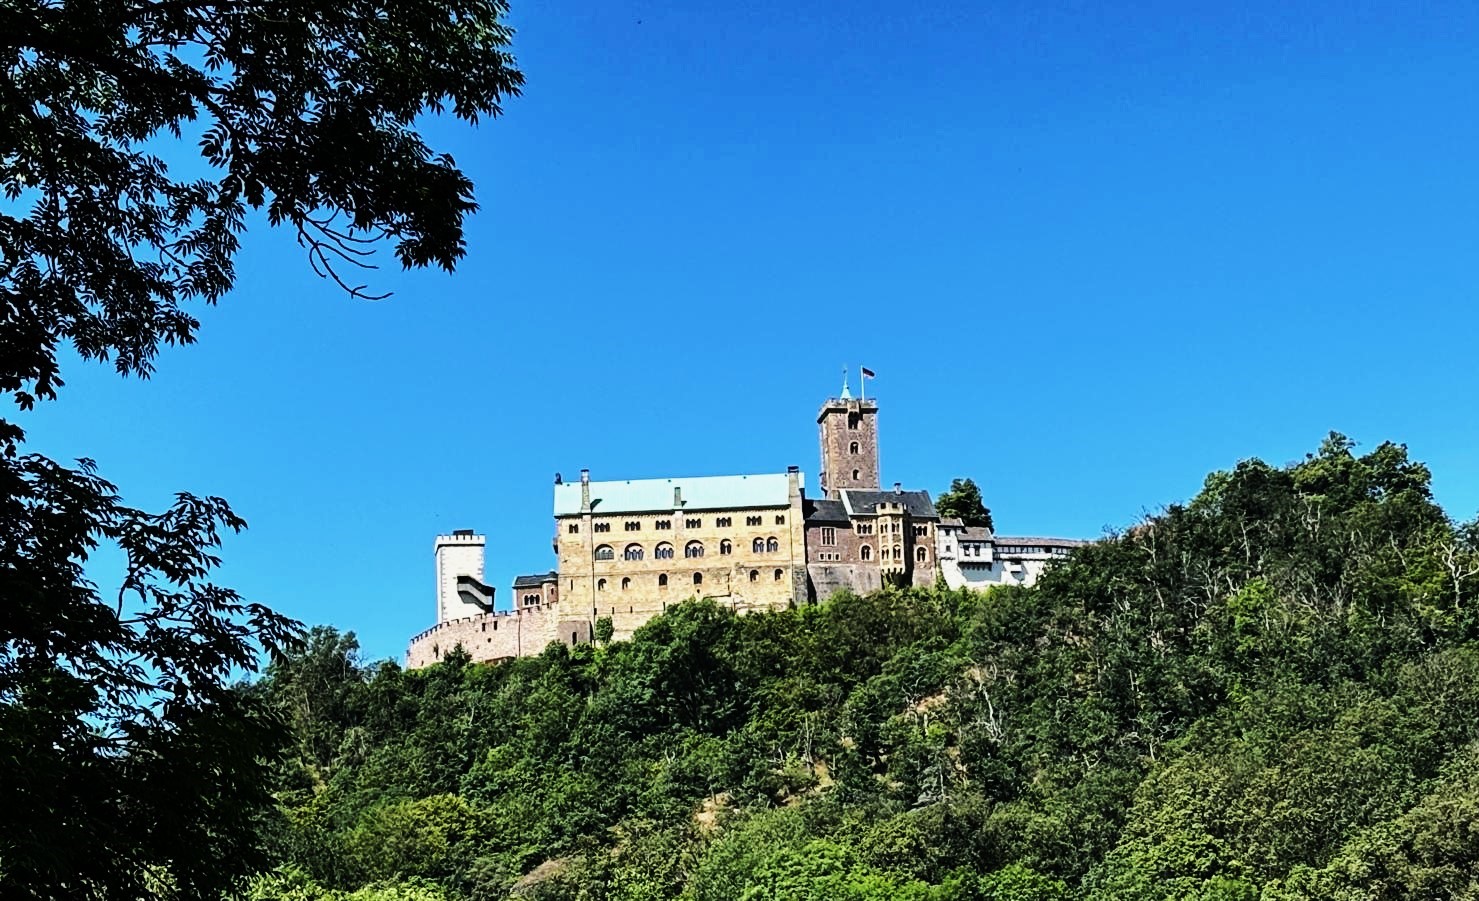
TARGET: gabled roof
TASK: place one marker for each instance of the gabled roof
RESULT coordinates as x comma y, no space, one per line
699,493
917,503
824,511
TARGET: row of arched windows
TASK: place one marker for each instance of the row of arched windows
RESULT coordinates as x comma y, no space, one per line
698,579
691,550
920,553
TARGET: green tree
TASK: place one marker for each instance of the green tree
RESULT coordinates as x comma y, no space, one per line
133,767
963,501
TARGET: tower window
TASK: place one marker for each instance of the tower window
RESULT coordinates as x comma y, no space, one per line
898,553
852,448
855,475
633,552
693,549
854,420
920,554
604,552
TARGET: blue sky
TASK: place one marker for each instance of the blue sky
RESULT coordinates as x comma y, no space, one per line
1091,254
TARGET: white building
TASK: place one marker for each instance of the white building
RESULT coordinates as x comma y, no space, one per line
971,557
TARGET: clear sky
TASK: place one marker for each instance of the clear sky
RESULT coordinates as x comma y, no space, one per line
1091,255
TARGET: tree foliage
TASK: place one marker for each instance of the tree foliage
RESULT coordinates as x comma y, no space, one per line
963,502
133,767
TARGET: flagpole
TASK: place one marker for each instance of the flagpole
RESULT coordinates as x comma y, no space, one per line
862,385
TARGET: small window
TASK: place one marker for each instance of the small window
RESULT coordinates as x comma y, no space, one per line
898,553
778,575
633,552
780,519
726,547
633,525
724,522
757,546
772,545
754,575
663,551
920,554
604,552
693,523
852,448
625,584
866,552
663,524
603,527
829,536
921,531
573,528
698,578
600,584
854,420
662,580
752,520
693,549
855,475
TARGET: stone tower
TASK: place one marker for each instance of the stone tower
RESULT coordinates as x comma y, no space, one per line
458,554
848,428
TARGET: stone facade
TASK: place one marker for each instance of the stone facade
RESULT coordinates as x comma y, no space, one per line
978,558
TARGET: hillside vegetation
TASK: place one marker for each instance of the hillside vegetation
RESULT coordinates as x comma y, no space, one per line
1270,692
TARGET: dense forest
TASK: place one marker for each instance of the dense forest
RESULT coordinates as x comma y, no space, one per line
1271,692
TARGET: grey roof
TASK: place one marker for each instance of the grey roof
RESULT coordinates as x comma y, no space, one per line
917,503
1038,539
824,511
699,493
535,580
951,522
975,533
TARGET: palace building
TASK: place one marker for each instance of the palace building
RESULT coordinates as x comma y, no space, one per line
625,550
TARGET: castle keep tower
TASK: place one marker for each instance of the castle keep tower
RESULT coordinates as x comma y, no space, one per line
848,428
459,559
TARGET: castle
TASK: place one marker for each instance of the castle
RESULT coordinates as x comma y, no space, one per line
627,549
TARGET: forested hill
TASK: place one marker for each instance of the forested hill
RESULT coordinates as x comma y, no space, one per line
1270,692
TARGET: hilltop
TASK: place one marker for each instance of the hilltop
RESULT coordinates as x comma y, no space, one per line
1271,691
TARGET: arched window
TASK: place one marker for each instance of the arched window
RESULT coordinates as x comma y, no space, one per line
604,552
663,551
633,552
693,549
855,475
698,578
919,554
898,553
772,545
866,552
852,448
600,584
625,584
758,546
754,575
662,580
777,575
726,547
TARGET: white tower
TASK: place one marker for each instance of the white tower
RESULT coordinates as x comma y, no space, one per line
458,554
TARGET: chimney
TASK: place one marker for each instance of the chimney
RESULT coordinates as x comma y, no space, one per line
585,491
677,497
793,483
558,480
898,488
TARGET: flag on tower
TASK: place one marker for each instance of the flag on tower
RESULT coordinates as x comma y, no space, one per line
868,373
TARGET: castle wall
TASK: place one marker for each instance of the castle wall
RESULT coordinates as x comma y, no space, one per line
497,636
